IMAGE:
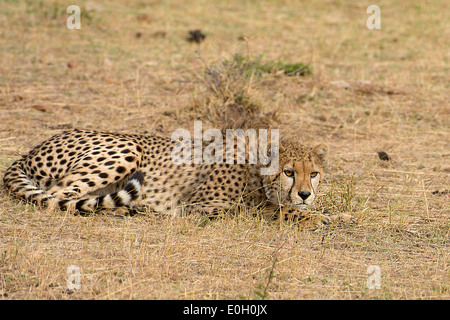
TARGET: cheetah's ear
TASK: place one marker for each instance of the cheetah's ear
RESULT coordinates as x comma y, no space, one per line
321,151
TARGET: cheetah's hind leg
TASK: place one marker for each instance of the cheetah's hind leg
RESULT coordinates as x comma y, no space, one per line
126,198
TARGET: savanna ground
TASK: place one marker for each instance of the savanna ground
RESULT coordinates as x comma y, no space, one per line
131,69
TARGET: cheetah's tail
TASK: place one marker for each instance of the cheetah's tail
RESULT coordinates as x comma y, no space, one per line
18,183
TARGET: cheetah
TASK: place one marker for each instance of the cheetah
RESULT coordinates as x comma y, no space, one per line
85,171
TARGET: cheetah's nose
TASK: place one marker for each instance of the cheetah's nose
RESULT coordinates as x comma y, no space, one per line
304,194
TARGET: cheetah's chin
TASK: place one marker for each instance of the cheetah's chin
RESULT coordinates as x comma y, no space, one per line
299,206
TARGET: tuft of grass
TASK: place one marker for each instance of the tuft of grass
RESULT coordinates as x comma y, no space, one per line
231,89
230,94
341,197
251,66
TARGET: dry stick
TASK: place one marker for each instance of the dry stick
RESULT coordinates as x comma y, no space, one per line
426,200
272,267
279,262
269,278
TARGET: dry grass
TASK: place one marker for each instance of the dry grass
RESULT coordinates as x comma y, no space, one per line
132,70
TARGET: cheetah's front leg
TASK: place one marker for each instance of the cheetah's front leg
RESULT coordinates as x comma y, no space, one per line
317,219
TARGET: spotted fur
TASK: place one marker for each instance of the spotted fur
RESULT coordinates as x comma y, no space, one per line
85,171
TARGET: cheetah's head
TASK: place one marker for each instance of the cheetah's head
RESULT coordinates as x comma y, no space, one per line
300,171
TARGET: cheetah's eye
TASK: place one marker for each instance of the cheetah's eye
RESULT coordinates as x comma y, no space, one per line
289,172
314,174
